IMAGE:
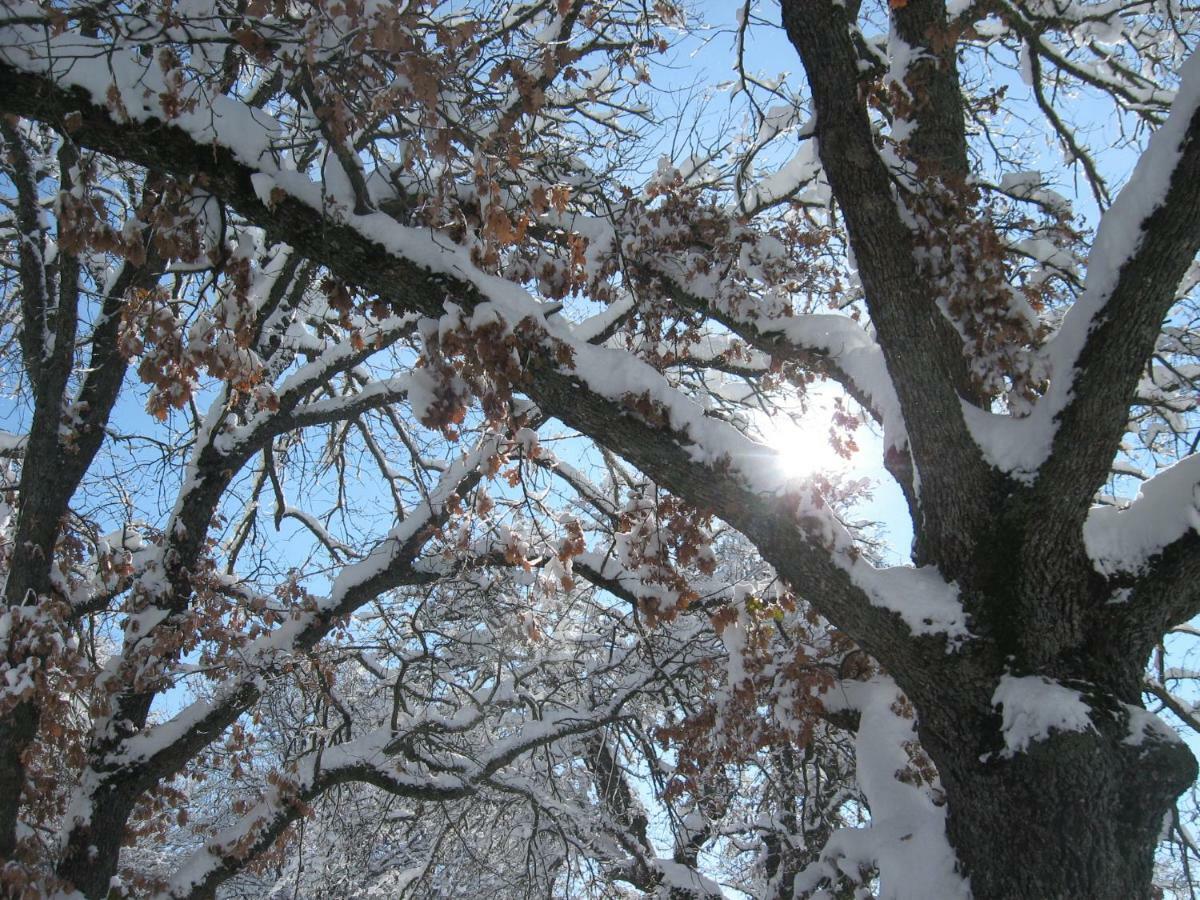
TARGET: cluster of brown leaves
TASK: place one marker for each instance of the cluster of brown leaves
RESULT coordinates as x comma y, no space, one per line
174,357
964,237
964,257
55,676
786,667
486,361
666,541
166,219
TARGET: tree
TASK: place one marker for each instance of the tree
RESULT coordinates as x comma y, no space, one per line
333,237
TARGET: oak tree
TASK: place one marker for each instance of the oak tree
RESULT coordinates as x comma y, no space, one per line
392,455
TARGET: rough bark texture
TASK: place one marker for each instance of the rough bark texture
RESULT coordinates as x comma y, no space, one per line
1076,815
50,298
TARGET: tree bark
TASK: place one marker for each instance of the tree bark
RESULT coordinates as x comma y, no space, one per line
1076,815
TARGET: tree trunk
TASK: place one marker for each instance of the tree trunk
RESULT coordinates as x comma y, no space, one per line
93,850
1075,815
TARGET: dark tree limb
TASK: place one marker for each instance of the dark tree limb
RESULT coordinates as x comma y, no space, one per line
659,451
1120,339
922,349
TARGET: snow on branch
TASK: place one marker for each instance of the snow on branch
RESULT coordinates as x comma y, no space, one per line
906,840
12,445
841,347
415,270
851,350
389,565
1167,508
383,759
923,599
1033,706
248,134
1021,446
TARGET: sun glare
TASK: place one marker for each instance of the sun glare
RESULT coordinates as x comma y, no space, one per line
805,450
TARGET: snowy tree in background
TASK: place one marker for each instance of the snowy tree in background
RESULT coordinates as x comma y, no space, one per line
393,496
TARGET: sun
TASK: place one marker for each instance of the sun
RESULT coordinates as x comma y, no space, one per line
804,448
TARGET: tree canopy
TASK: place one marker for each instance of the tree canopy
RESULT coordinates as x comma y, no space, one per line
412,482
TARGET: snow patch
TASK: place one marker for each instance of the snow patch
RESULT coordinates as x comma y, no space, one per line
926,602
1032,706
906,839
1146,726
1167,508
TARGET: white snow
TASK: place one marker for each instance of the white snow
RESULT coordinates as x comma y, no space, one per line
1167,507
907,835
856,353
1020,446
926,602
1146,726
1031,706
678,876
802,169
11,444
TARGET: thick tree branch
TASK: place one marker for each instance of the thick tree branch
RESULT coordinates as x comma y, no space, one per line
659,451
923,351
35,286
1169,594
1125,303
938,145
47,335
